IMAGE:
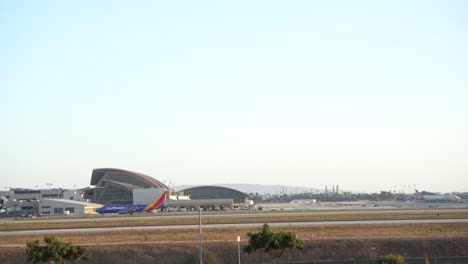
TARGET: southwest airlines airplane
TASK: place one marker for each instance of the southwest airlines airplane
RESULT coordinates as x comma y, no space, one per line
3,199
131,208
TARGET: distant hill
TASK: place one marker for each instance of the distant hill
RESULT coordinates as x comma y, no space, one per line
257,188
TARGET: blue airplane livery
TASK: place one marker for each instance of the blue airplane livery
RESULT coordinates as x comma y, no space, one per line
133,208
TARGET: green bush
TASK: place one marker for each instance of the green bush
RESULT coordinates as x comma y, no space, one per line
393,259
53,251
270,241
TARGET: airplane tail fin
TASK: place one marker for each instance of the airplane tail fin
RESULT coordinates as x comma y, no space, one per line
156,204
3,199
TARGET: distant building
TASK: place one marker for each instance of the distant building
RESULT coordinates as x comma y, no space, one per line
66,207
26,202
303,201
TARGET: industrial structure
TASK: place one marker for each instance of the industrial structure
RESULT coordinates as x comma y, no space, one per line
33,202
66,207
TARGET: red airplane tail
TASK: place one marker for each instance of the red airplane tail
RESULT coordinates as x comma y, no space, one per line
156,204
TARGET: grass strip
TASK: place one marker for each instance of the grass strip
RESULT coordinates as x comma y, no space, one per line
35,224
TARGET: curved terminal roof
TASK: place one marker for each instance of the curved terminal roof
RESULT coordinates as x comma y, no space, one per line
215,192
122,185
130,180
218,187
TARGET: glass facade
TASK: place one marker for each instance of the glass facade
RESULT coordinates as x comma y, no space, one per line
114,186
124,178
113,194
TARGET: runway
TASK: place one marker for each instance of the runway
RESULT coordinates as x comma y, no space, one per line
233,225
246,214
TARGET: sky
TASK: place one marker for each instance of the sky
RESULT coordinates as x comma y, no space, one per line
369,95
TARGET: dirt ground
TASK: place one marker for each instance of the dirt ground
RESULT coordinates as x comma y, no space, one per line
230,234
226,251
220,246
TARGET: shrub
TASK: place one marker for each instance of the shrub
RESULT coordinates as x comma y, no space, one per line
53,250
271,241
393,259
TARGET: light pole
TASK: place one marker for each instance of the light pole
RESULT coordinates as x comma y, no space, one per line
200,234
238,247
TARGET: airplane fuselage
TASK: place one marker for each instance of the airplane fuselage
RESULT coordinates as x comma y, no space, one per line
121,209
133,208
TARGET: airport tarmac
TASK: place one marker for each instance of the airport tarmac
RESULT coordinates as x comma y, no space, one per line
231,225
359,205
291,210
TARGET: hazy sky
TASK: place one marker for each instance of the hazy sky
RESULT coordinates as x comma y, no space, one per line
365,94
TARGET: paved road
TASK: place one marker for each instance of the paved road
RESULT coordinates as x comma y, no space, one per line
232,215
240,225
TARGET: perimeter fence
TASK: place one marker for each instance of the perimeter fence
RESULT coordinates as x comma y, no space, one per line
432,260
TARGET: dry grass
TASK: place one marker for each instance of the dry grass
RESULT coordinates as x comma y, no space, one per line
230,234
30,224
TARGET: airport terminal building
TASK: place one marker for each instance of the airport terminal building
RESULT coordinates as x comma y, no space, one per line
112,186
116,186
28,202
217,192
